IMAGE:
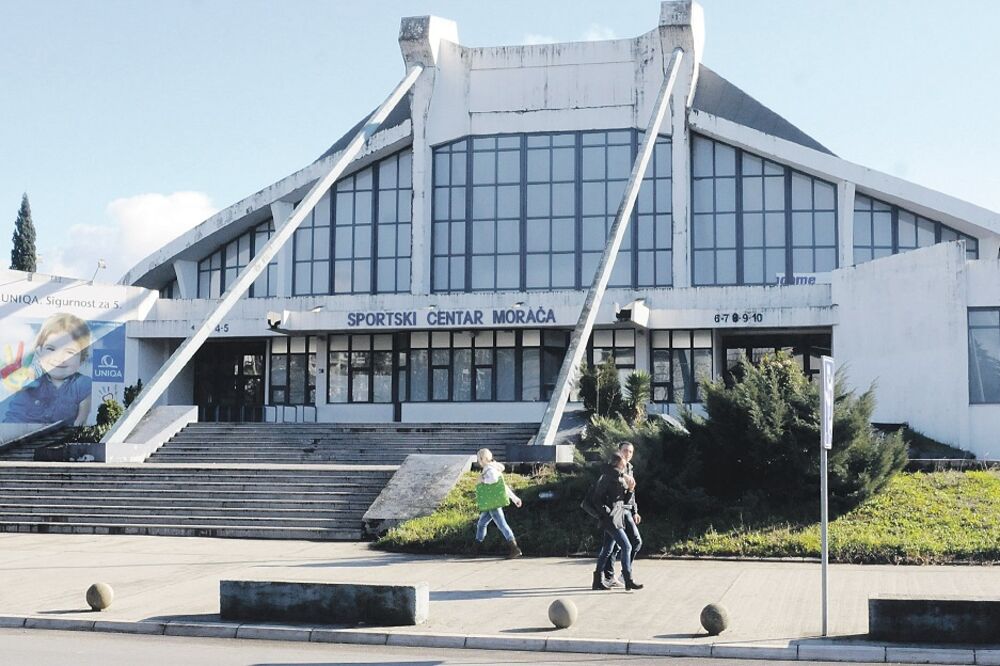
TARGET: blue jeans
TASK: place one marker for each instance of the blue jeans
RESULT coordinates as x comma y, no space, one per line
614,536
632,532
495,516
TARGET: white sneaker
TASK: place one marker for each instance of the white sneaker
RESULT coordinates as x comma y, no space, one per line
616,581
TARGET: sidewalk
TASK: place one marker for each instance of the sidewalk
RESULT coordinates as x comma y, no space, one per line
771,604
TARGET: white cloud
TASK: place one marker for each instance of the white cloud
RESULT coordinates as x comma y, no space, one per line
534,38
137,226
597,33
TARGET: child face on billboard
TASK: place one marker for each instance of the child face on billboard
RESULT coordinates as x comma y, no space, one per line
60,356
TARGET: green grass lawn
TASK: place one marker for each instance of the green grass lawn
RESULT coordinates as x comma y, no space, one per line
918,519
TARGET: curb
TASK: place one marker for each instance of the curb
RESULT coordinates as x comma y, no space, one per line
763,651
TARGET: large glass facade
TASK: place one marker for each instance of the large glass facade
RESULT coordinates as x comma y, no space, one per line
368,250
984,355
755,221
219,270
679,361
881,229
533,211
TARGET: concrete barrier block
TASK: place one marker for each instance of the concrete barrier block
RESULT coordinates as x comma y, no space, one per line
7,622
943,619
324,603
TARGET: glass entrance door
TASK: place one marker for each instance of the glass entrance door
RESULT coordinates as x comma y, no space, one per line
229,380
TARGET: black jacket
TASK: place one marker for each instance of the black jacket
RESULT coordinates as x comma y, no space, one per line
609,498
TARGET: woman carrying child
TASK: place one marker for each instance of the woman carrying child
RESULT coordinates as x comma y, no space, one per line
492,495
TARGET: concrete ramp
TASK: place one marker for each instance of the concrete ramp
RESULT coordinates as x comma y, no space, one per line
416,489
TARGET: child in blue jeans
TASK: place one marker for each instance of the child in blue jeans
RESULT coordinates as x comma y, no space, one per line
490,505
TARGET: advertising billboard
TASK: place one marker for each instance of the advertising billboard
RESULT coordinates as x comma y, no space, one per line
62,348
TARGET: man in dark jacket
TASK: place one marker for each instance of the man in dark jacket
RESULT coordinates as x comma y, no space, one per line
630,521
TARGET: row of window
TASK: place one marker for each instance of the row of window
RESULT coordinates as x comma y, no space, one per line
357,238
881,229
533,211
219,270
755,221
500,366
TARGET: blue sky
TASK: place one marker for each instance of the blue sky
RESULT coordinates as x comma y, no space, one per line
128,122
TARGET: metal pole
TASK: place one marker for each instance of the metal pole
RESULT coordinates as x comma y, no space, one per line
588,314
166,374
824,545
827,377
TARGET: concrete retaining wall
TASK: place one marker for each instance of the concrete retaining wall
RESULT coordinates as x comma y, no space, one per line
324,603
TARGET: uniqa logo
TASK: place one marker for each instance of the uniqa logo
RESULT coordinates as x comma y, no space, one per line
107,361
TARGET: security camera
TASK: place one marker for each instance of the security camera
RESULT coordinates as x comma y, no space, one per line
273,320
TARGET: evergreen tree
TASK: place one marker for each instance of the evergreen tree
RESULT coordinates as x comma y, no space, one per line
22,254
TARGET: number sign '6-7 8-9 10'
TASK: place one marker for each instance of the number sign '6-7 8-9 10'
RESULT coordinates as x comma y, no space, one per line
736,317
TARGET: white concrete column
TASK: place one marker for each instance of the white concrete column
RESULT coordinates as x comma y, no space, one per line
419,41
280,211
845,224
187,278
682,24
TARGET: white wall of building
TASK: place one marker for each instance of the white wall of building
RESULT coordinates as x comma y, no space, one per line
902,324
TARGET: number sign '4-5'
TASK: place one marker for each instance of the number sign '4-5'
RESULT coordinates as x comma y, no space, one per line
826,402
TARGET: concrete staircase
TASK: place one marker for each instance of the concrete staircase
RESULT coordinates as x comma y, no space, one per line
24,451
325,443
246,501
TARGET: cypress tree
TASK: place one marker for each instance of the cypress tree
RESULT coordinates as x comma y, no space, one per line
22,254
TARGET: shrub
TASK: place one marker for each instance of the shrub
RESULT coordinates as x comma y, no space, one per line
638,388
761,436
131,393
756,451
599,388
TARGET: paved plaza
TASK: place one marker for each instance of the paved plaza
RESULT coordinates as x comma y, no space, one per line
176,580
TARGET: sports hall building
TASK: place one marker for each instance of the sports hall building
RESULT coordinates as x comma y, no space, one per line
440,278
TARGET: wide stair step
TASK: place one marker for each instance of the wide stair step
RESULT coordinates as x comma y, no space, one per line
309,502
325,443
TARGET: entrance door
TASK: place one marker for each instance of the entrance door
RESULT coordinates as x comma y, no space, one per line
229,380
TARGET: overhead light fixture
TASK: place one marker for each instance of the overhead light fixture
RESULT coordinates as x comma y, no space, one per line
316,308
432,307
519,304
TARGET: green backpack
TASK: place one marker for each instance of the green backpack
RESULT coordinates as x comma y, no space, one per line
491,496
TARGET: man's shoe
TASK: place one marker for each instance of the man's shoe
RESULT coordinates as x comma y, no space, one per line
631,584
